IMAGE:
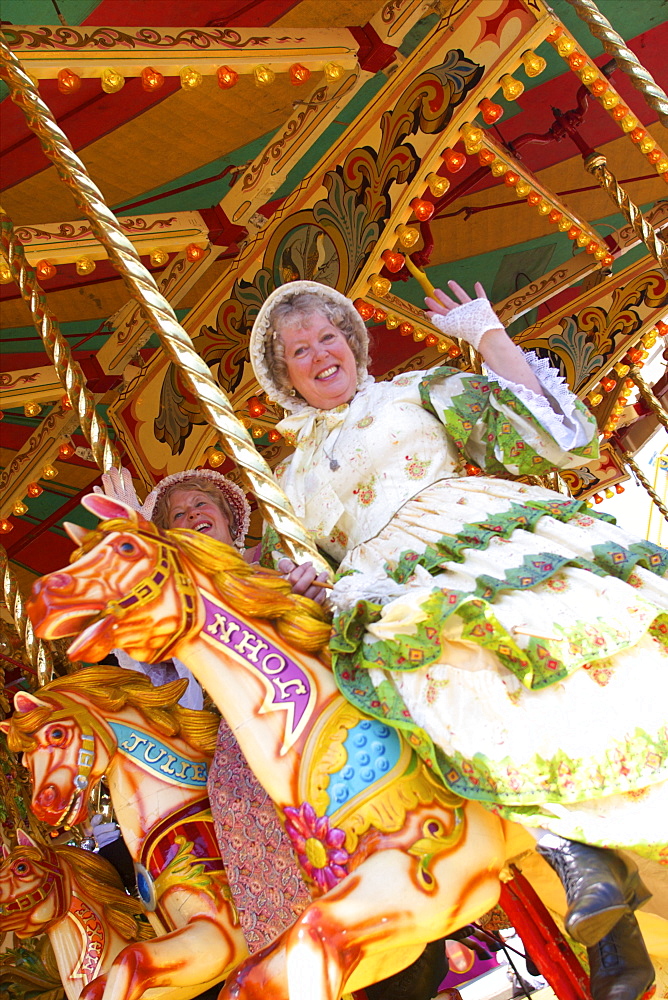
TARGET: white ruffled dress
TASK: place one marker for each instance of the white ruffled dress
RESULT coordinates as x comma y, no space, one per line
519,639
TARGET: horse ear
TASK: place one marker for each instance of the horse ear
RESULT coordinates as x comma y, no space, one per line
4,851
75,531
5,726
24,839
26,702
108,508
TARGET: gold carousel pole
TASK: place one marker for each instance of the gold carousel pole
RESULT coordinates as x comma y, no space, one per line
177,344
37,651
644,481
649,398
614,44
58,350
596,164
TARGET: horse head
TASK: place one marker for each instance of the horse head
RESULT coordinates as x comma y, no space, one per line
66,751
32,888
108,593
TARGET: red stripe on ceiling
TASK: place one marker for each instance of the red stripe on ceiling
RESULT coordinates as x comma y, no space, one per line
84,119
194,14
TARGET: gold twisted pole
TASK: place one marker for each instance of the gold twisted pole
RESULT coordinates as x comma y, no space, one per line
644,481
37,651
596,164
614,44
68,370
159,314
649,398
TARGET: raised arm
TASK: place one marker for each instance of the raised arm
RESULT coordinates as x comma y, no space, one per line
474,321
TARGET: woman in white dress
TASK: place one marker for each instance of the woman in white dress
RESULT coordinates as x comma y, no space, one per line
520,640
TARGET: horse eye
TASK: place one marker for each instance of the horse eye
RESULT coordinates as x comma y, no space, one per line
21,868
56,735
127,548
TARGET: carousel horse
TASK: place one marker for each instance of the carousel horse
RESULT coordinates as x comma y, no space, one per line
155,755
395,860
74,897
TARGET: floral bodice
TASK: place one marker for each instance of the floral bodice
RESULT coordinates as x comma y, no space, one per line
356,465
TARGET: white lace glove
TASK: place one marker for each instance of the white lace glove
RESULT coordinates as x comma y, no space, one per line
468,319
119,486
104,833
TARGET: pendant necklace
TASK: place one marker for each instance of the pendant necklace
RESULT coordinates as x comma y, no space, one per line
333,464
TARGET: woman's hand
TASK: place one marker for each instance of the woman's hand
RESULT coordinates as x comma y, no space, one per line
467,319
119,486
475,322
304,580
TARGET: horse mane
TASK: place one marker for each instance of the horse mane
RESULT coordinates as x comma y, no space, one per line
101,882
256,592
110,689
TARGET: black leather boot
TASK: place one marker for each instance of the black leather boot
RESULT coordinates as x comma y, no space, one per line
620,968
601,886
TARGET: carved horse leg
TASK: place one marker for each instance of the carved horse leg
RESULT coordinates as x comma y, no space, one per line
376,920
166,962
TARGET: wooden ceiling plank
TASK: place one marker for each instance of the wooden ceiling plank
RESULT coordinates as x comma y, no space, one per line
40,449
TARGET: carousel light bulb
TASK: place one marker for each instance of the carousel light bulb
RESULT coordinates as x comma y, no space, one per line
609,493
34,489
534,198
68,82
556,32
610,100
595,399
555,216
151,79
48,472
490,112
408,236
258,432
392,260
646,145
422,209
419,334
85,265
600,253
574,232
365,309
485,157
582,240
533,64
333,72
227,77
472,134
576,61
565,46
454,351
190,78
274,435
65,403
406,329
379,315
654,156
45,270
392,322
111,81
158,258
588,75
511,178
379,286
431,340
263,76
522,188
544,207
662,165
621,111
20,508
607,260
215,458
32,409
599,87
256,407
591,247
66,450
299,74
454,160
442,346
5,273
499,168
629,123
608,383
438,185
6,525
510,87
619,488
194,253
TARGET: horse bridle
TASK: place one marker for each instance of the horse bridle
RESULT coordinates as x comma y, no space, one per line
148,589
24,901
